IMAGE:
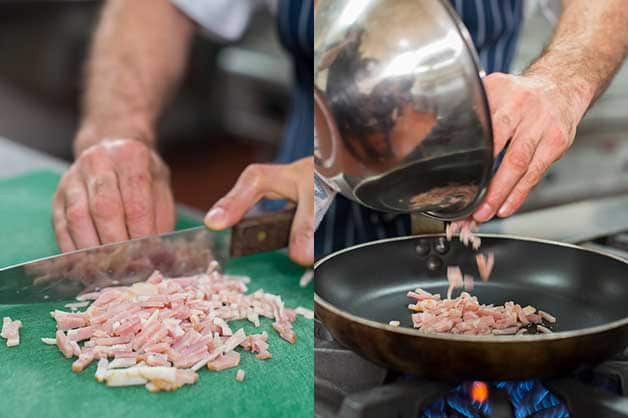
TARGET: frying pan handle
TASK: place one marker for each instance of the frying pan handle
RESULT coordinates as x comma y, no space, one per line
262,233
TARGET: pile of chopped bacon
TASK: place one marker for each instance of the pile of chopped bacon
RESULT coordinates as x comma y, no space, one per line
160,332
465,315
11,331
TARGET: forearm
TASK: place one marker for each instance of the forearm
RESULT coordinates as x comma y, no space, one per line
588,46
137,57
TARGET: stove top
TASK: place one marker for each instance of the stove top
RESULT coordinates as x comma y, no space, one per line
348,386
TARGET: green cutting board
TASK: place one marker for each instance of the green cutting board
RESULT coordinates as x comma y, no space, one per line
36,380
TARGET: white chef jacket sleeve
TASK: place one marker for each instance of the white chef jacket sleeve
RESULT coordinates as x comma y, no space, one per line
224,19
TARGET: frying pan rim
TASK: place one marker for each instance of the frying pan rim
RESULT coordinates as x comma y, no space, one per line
318,300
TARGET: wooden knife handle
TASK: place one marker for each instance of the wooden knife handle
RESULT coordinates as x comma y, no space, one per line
262,233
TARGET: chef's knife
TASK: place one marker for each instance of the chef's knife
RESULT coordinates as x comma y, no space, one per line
175,254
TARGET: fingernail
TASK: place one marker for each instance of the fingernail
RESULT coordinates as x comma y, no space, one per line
504,210
484,213
215,217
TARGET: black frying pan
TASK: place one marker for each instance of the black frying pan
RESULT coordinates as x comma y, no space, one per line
360,289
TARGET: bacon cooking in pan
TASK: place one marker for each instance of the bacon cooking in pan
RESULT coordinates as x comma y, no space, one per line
465,315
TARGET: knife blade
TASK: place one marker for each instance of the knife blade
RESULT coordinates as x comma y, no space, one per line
175,254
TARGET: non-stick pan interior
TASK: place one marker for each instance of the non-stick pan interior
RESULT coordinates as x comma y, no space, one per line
581,288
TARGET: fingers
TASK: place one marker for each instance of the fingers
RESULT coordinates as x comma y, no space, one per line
503,117
293,182
514,166
165,216
550,149
104,198
135,183
77,215
255,182
301,248
60,224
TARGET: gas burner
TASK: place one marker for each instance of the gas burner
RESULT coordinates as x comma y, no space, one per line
348,386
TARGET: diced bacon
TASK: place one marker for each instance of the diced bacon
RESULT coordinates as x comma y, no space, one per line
284,328
186,377
157,359
547,317
111,340
157,348
155,278
159,332
240,375
304,312
122,362
88,296
235,340
455,279
76,349
222,326
49,341
77,305
102,369
465,315
64,344
69,320
485,265
224,361
543,330
11,331
125,354
506,331
521,316
534,318
264,355
80,334
84,359
468,282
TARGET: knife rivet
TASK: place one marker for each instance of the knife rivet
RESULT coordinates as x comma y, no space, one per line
261,236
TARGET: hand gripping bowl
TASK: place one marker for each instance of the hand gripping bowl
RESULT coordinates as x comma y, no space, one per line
401,115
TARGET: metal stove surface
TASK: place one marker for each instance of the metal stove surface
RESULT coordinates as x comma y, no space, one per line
348,386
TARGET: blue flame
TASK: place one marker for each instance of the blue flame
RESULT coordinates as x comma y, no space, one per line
528,397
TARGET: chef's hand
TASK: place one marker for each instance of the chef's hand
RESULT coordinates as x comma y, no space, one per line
294,182
114,191
539,118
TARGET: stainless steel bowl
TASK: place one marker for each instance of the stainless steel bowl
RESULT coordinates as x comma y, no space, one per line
402,120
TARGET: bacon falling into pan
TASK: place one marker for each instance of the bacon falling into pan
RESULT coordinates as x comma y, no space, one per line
160,332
